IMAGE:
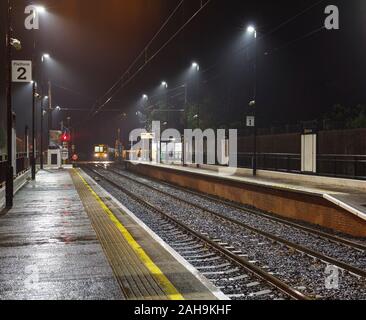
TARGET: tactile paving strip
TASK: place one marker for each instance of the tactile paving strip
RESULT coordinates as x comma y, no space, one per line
137,282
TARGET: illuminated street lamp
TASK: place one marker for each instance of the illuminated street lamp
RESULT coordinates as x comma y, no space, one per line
196,66
40,9
145,97
16,44
251,29
45,56
253,104
164,84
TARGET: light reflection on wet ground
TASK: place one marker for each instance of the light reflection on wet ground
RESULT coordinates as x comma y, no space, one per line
48,249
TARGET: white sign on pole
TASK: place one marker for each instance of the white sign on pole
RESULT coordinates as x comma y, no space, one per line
21,71
65,154
147,136
250,121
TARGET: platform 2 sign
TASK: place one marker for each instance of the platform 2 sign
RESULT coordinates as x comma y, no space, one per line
21,71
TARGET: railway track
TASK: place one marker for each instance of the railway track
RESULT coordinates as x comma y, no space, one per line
216,259
312,253
322,235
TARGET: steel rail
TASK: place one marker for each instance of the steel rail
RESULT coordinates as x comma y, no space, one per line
243,263
318,233
292,245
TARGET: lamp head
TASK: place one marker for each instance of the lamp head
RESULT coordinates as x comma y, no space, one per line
16,44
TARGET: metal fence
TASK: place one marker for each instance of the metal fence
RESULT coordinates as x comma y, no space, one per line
167,157
2,171
285,162
332,165
22,164
342,166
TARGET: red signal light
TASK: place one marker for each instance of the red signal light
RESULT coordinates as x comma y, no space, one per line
66,137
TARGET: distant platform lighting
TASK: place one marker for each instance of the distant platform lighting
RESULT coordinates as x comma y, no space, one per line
145,97
40,9
196,66
164,84
252,30
45,56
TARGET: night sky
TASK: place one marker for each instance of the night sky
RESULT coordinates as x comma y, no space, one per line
303,70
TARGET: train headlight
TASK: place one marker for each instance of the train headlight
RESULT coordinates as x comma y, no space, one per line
96,155
105,156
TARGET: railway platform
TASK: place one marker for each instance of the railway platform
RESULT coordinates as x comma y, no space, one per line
332,203
66,238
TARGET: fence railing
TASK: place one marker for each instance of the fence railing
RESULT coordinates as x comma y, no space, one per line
342,166
22,164
2,171
284,162
171,156
332,165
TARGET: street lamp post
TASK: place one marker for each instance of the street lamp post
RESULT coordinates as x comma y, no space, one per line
9,111
50,124
43,58
196,67
42,115
253,103
33,154
39,10
10,42
164,85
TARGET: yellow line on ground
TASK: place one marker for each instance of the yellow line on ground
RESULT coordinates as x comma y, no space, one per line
169,289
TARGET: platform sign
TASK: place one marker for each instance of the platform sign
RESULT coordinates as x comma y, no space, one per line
65,154
21,71
147,136
250,121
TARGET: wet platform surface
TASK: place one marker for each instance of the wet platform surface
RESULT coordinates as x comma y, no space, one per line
66,239
48,248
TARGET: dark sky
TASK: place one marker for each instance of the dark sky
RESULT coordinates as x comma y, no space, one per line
92,42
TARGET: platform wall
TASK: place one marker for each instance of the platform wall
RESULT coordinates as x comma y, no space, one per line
294,205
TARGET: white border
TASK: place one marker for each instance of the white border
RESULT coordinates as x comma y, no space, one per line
345,206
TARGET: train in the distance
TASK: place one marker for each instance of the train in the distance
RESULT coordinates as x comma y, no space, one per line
103,152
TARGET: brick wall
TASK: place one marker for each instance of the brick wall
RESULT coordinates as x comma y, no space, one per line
294,205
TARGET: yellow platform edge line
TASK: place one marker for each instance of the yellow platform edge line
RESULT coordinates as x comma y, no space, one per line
168,288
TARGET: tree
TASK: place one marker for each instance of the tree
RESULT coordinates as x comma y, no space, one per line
359,119
350,117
